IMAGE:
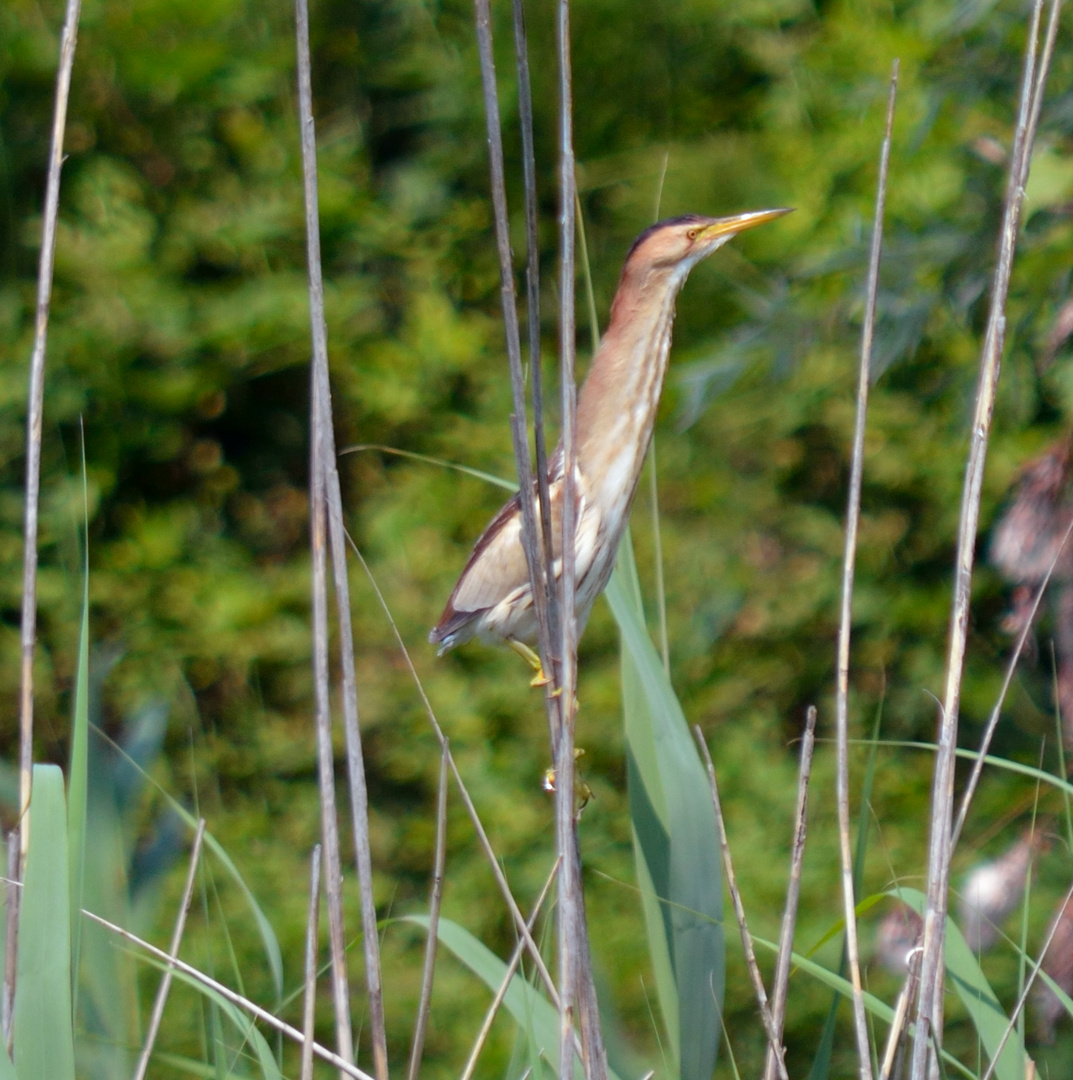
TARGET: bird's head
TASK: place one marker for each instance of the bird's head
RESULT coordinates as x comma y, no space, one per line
679,243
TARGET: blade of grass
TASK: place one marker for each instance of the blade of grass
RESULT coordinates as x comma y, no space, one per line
489,478
657,559
309,999
522,1001
586,274
11,930
78,769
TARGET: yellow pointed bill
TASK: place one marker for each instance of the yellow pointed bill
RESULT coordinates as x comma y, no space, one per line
730,226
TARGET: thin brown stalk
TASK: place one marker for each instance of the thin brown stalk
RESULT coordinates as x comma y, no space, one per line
173,950
256,1011
35,408
359,797
538,567
996,712
793,891
309,995
929,1002
576,986
774,1041
320,418
853,513
532,285
359,794
504,986
436,895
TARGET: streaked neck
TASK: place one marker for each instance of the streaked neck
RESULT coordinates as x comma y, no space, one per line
618,402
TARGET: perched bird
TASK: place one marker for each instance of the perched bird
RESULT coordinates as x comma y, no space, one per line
616,410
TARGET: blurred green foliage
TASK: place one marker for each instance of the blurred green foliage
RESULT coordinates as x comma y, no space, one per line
179,337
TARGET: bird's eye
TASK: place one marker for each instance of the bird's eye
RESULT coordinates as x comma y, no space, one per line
692,234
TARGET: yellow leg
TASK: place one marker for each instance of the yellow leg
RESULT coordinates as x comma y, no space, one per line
532,658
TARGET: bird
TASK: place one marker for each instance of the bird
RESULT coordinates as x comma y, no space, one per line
616,411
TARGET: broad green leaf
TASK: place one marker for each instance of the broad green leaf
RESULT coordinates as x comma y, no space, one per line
7,1070
532,1012
988,1016
108,1018
675,840
43,1030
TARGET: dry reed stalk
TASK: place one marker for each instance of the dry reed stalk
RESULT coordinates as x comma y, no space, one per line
539,562
330,504
773,1037
576,986
853,514
940,850
435,897
532,302
173,950
35,408
781,981
309,994
321,417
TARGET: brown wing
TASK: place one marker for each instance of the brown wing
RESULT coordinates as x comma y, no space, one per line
495,568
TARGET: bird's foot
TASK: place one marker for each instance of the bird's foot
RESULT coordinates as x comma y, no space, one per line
532,658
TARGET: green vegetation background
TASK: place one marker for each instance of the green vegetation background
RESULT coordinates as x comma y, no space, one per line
179,337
